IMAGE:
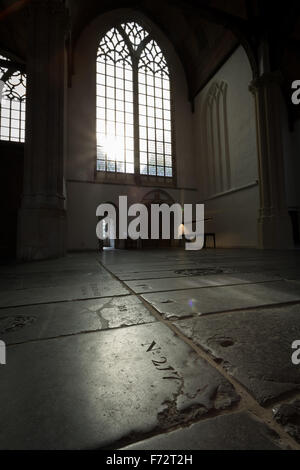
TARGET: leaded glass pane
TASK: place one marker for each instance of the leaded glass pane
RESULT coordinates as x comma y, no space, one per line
116,118
135,33
12,108
113,120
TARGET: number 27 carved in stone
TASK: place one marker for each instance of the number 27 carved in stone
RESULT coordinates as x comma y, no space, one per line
161,363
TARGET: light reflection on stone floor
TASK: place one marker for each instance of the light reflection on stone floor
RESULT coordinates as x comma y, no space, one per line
108,350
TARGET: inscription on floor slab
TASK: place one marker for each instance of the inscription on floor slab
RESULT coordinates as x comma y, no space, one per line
91,390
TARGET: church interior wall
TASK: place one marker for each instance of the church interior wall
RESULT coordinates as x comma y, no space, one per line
84,193
226,153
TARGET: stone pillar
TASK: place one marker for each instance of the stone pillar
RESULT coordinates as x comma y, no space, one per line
274,224
42,218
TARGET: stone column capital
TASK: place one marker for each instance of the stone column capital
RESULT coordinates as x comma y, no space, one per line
266,79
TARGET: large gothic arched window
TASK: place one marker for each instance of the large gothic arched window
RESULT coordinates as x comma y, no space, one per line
133,104
13,102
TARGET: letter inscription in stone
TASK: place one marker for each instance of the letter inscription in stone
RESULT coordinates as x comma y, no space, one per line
151,346
161,361
95,290
84,291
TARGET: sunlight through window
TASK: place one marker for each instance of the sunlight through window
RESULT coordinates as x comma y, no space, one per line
133,104
13,103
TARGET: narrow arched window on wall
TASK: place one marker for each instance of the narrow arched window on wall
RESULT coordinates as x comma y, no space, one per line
13,102
215,140
134,128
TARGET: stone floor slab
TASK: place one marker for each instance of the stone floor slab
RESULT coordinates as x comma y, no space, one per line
101,288
102,371
21,324
238,431
254,346
192,282
31,280
92,390
288,415
175,305
178,272
167,274
80,261
126,267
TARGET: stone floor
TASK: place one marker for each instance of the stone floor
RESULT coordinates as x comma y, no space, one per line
154,349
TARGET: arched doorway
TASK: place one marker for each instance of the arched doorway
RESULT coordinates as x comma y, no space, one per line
158,196
111,230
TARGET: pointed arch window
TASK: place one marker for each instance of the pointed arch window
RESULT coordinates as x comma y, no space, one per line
13,102
134,128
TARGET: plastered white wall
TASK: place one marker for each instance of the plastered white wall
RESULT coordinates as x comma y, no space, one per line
234,214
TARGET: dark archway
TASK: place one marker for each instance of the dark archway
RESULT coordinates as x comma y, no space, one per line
157,196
